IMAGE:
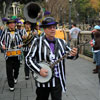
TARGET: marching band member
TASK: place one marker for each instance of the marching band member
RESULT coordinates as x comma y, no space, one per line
37,29
26,32
48,48
19,26
11,39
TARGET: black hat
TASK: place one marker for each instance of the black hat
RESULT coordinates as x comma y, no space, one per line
27,22
48,21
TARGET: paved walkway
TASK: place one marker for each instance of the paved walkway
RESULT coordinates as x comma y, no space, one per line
81,83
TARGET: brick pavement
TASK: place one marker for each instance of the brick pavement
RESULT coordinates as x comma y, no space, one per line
81,83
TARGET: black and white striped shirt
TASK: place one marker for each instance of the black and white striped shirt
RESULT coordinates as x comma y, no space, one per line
7,38
40,51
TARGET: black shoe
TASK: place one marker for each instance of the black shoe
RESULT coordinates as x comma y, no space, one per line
95,71
94,62
11,88
26,77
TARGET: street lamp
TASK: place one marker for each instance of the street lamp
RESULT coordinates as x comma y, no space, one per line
70,5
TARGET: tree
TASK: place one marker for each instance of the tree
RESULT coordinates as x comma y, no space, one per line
85,10
95,4
58,9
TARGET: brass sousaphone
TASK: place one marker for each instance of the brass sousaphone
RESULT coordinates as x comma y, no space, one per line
33,12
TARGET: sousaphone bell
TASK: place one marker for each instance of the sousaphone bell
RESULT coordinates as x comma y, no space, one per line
33,12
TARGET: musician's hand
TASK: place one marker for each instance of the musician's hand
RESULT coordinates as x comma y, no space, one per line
74,52
24,37
20,46
43,72
3,47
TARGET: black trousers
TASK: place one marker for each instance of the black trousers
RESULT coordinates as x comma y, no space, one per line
12,69
56,92
26,68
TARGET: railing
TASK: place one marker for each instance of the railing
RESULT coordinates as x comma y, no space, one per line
84,36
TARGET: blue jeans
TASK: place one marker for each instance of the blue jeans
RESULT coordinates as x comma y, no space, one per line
97,58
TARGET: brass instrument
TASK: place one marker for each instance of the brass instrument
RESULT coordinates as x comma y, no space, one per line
33,12
28,39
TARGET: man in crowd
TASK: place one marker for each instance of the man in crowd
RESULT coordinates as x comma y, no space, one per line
73,35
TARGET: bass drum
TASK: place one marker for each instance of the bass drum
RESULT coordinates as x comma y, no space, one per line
42,79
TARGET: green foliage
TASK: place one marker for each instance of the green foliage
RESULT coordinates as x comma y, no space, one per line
85,10
26,1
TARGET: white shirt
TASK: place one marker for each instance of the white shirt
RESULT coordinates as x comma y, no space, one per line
74,32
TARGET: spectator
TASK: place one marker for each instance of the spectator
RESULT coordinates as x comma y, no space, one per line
96,38
73,35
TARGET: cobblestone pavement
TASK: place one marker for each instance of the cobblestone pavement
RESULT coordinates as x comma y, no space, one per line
81,83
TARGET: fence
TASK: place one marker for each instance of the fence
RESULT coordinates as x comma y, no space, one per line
84,37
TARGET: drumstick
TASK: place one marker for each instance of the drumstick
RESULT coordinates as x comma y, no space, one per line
11,48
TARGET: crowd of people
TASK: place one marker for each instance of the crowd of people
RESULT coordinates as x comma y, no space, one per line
19,39
95,36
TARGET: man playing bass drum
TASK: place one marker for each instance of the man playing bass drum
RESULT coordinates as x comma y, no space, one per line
48,48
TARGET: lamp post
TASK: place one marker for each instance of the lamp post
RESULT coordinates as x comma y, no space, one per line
61,16
77,18
64,16
88,19
70,5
